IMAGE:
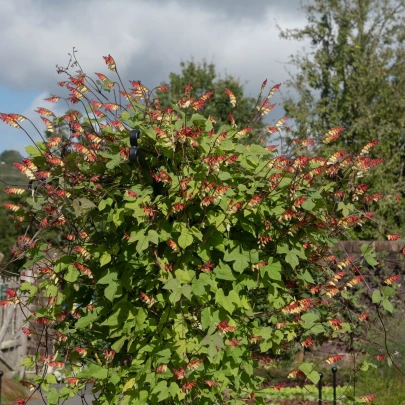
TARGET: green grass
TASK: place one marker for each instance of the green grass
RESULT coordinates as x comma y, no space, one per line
308,392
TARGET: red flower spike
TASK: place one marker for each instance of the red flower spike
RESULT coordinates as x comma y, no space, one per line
180,374
14,191
102,77
367,398
11,207
380,357
194,364
81,351
109,60
147,300
362,317
334,359
52,99
8,120
52,142
82,252
109,354
161,369
273,90
231,96
188,386
45,111
332,134
232,120
72,380
393,237
295,374
27,331
28,385
392,279
85,270
223,327
307,342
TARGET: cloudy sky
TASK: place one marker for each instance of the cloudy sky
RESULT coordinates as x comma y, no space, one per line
147,38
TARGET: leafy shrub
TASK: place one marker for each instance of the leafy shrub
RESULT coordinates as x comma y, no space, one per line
176,273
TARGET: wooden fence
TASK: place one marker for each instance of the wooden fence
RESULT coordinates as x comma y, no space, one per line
13,343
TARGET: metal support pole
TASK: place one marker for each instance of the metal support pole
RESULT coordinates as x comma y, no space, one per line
334,371
319,387
1,375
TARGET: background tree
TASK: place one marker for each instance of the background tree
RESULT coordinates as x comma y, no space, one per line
9,176
354,76
204,78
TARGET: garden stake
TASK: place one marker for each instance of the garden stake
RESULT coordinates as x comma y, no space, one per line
1,375
334,370
320,389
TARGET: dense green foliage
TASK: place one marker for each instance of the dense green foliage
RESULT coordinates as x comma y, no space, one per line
175,274
204,78
354,76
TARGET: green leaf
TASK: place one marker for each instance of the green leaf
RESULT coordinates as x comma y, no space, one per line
198,287
387,305
308,205
33,151
117,346
185,276
308,319
125,115
310,373
230,302
185,240
86,320
143,243
376,297
272,269
27,362
292,259
105,259
72,274
206,318
94,371
105,203
153,236
112,290
224,272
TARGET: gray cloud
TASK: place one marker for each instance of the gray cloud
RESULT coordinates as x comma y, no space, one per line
147,39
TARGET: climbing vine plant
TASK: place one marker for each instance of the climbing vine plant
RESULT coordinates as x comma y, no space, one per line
183,258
